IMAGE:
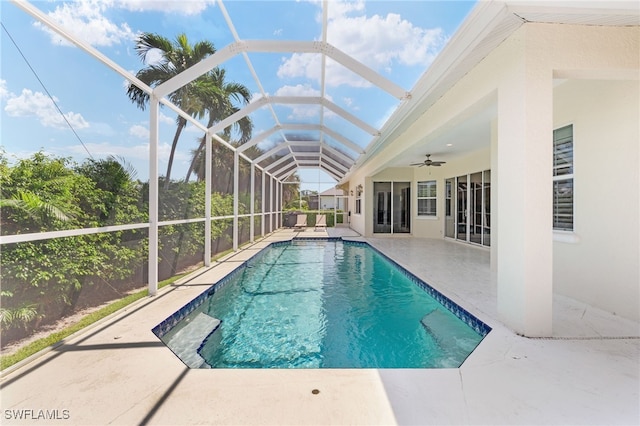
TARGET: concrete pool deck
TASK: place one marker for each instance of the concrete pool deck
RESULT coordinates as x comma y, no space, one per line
118,372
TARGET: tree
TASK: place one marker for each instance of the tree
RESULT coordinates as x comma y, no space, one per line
221,99
44,279
117,179
176,57
291,191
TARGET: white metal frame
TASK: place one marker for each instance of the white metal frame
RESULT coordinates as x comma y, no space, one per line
276,175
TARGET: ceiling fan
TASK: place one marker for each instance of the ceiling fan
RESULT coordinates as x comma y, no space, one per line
428,162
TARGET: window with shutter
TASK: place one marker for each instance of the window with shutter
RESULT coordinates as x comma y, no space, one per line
563,179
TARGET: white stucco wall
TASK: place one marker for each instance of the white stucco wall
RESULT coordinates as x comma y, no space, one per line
601,265
433,227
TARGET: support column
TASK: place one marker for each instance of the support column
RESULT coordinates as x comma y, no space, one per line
252,203
524,200
272,191
236,180
208,176
262,209
154,107
278,204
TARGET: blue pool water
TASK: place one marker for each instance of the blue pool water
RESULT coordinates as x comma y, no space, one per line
321,304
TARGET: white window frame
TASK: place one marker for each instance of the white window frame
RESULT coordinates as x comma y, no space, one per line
433,183
568,177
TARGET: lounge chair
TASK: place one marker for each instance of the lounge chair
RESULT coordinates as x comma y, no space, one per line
321,222
301,224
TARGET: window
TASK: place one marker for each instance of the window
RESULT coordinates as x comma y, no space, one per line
359,199
563,179
427,198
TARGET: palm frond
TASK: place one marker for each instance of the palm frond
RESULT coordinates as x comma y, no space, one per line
34,206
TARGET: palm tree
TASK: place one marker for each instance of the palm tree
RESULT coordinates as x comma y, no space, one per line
176,57
38,209
291,192
221,99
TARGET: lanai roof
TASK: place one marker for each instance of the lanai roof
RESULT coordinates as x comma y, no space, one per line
326,133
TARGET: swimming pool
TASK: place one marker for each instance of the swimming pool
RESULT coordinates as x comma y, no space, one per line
321,304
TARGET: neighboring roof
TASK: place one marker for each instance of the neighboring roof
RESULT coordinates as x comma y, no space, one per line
332,192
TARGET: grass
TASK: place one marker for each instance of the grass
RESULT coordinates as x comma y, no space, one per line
40,344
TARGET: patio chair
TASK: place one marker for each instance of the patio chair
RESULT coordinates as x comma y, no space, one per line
321,222
301,224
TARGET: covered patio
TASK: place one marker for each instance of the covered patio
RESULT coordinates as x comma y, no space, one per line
118,372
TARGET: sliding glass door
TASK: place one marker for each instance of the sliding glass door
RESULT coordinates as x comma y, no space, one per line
462,208
382,208
468,209
449,208
392,209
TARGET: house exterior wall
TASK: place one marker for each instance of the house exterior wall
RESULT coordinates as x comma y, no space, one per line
399,174
518,78
599,263
327,201
433,227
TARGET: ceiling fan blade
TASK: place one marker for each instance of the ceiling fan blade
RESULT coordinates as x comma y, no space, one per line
436,164
417,164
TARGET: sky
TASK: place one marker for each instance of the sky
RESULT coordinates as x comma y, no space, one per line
92,117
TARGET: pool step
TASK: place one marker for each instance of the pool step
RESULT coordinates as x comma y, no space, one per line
186,341
290,332
454,337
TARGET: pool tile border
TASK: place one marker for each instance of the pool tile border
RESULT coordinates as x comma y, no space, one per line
468,318
165,326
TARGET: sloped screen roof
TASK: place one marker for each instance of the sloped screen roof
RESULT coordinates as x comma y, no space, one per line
324,76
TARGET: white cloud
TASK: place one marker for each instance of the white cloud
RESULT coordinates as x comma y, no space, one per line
137,155
256,96
190,7
351,103
140,152
4,92
190,128
86,20
339,9
37,104
142,130
139,131
379,42
300,110
297,90
165,119
300,65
